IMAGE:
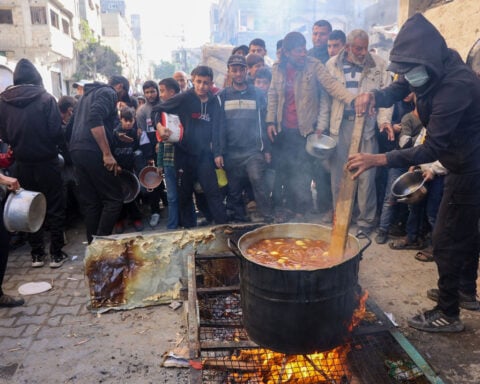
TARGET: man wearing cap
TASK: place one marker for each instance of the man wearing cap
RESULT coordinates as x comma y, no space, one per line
79,87
240,143
448,95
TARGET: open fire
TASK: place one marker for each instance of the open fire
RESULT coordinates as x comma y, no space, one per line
260,365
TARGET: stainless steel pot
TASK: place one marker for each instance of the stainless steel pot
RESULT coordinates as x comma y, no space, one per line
409,188
320,146
24,211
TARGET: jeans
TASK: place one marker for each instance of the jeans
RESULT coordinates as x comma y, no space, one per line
253,166
172,196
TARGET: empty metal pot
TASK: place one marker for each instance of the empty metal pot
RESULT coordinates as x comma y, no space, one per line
409,188
149,178
130,185
24,211
320,146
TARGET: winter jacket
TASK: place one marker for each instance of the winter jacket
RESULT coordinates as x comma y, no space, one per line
448,105
240,130
196,117
97,107
309,97
124,152
374,75
30,120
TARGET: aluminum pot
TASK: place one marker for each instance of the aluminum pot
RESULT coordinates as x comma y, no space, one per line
409,188
130,185
149,178
320,146
298,311
24,211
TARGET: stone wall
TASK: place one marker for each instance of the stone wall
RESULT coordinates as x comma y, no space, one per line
457,20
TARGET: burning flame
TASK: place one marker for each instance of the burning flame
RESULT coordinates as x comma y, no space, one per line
276,367
273,368
359,312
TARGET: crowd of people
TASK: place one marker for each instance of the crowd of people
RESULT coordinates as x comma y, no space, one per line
243,157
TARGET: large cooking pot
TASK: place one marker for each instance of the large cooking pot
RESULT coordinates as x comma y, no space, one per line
24,211
409,188
298,311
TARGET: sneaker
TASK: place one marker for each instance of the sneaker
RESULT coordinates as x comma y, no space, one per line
38,261
382,237
154,219
7,301
56,261
119,227
468,302
138,225
435,320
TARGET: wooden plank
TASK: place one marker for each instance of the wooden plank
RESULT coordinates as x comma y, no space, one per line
193,339
219,290
346,197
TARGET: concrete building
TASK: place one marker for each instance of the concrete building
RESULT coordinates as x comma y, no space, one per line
89,10
237,22
113,6
42,31
117,34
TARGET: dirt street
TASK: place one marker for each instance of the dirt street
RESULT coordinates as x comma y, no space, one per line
54,338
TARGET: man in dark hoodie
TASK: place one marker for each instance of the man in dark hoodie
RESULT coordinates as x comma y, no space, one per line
90,148
448,95
30,122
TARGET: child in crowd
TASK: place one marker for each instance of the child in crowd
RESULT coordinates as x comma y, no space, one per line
125,143
263,79
254,63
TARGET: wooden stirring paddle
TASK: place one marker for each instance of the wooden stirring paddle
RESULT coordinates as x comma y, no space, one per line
346,197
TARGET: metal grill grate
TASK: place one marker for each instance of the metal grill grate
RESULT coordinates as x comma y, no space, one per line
228,356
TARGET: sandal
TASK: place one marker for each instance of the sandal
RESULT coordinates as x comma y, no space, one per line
405,244
425,256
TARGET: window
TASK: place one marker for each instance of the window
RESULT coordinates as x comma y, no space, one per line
54,19
66,27
39,15
6,16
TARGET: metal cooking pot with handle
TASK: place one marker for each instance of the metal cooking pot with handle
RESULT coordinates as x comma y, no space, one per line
298,311
150,178
409,188
24,211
